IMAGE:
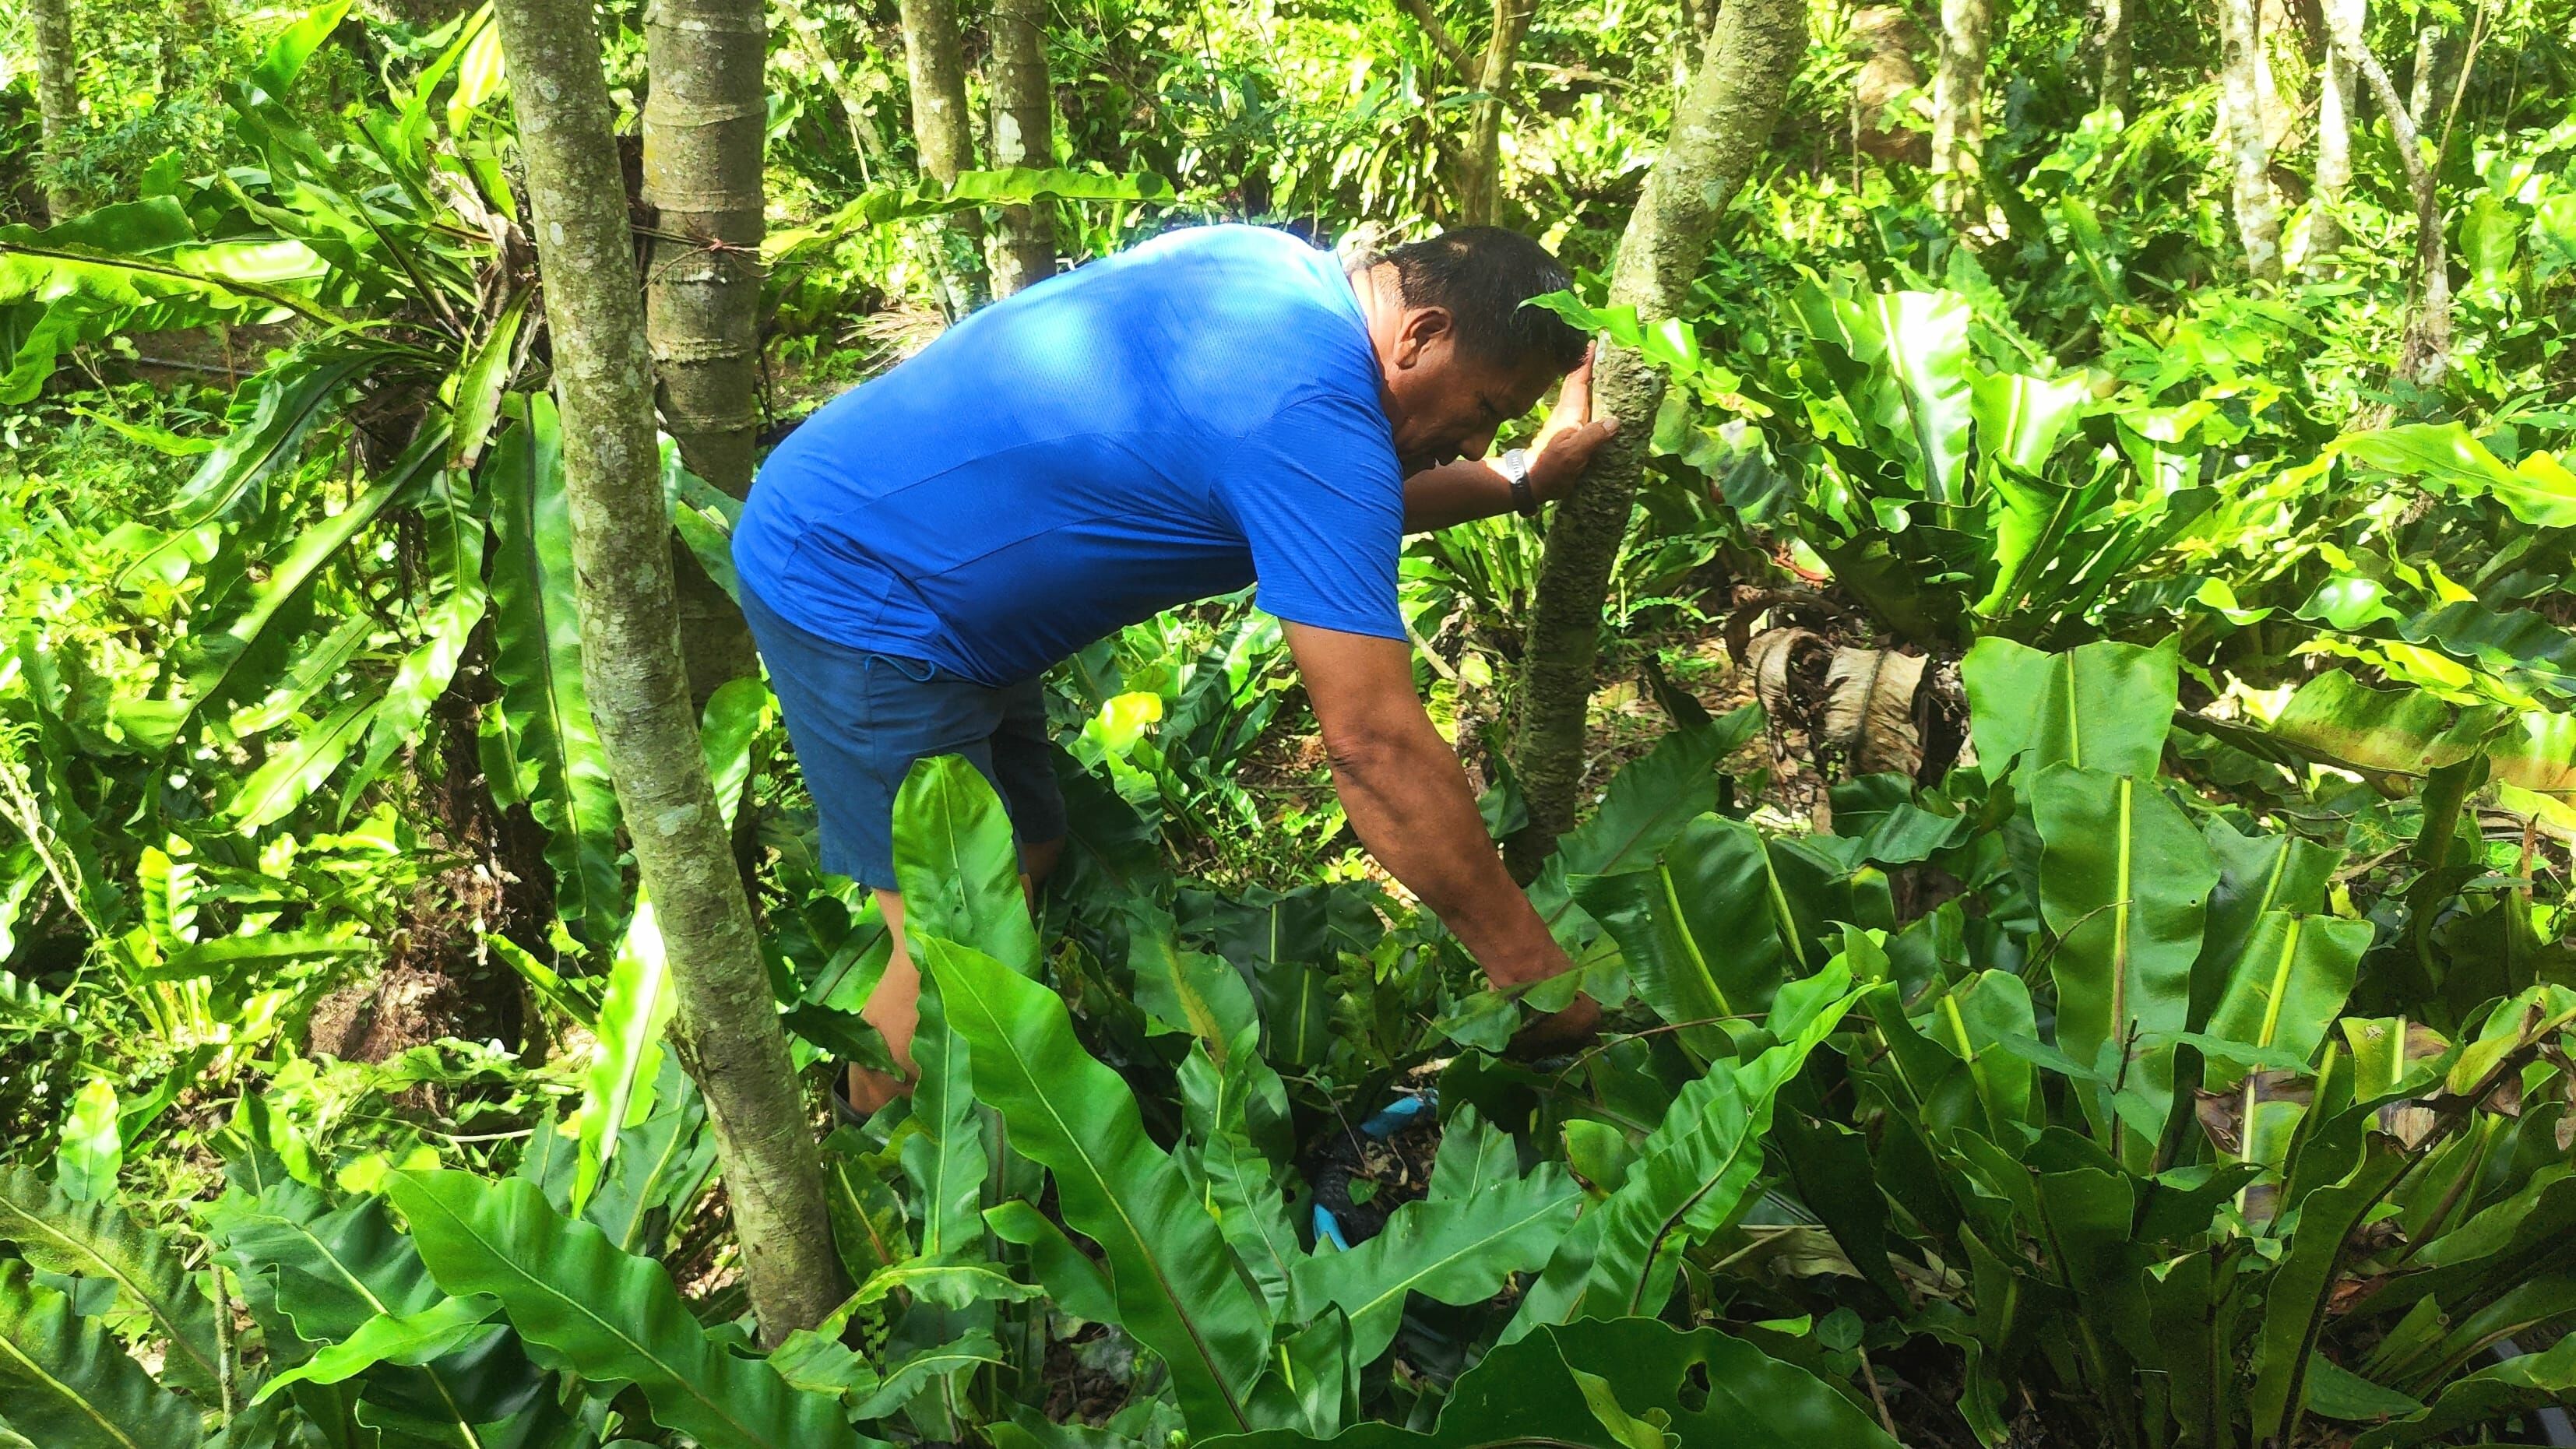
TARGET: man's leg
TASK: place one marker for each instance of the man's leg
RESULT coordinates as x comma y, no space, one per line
1017,759
894,1009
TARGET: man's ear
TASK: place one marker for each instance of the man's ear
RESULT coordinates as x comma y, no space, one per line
1422,327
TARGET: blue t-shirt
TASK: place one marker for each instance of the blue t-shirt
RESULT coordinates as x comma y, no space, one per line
1161,426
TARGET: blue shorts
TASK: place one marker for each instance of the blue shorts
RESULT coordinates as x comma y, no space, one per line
859,719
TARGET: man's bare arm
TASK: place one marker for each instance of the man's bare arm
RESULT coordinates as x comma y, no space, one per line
1409,803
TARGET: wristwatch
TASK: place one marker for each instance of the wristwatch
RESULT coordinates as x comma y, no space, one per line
1515,468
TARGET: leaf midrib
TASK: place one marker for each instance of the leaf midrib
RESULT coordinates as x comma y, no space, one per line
716,1407
1180,1311
126,1280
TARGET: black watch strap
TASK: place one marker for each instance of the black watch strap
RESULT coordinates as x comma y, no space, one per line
1515,466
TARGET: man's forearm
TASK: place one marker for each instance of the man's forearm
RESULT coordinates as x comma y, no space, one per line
1409,803
1454,493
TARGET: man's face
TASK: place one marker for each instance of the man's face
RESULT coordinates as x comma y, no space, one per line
1445,405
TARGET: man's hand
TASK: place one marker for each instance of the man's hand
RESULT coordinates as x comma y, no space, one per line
1572,435
1553,1033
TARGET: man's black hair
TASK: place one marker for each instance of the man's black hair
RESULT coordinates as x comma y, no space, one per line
1484,275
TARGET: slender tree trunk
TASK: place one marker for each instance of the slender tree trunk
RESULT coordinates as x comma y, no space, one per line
2258,208
1023,135
704,123
2426,350
1959,106
936,61
1480,161
2118,21
57,98
1719,132
727,1031
2337,89
2435,49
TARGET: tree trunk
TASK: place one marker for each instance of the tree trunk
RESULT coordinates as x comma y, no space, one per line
2118,21
2434,53
936,61
727,1031
1023,135
2426,350
704,121
1959,106
1480,161
1719,131
2240,105
2337,89
57,100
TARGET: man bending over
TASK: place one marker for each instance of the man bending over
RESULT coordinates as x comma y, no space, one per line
1221,406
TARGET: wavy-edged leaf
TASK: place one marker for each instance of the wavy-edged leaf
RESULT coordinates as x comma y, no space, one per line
1188,991
660,1166
99,1239
2124,885
2337,719
1704,927
2530,1381
2446,459
314,1274
1655,795
2516,645
480,384
299,767
1691,1174
736,713
951,1285
93,1146
2104,706
536,660
1458,1245
291,399
2288,987
1010,186
610,1316
617,1090
210,662
411,1339
1178,1289
1586,1385
956,861
1072,1281
454,580
67,1383
225,956
945,1160
2294,1306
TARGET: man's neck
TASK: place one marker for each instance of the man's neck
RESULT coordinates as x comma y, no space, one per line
1381,302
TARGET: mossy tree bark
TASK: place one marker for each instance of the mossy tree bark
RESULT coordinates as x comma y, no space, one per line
2337,88
1719,131
57,98
704,123
1959,107
935,59
1480,170
1023,135
2240,104
2118,68
2436,52
727,1031
2426,350
1478,163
